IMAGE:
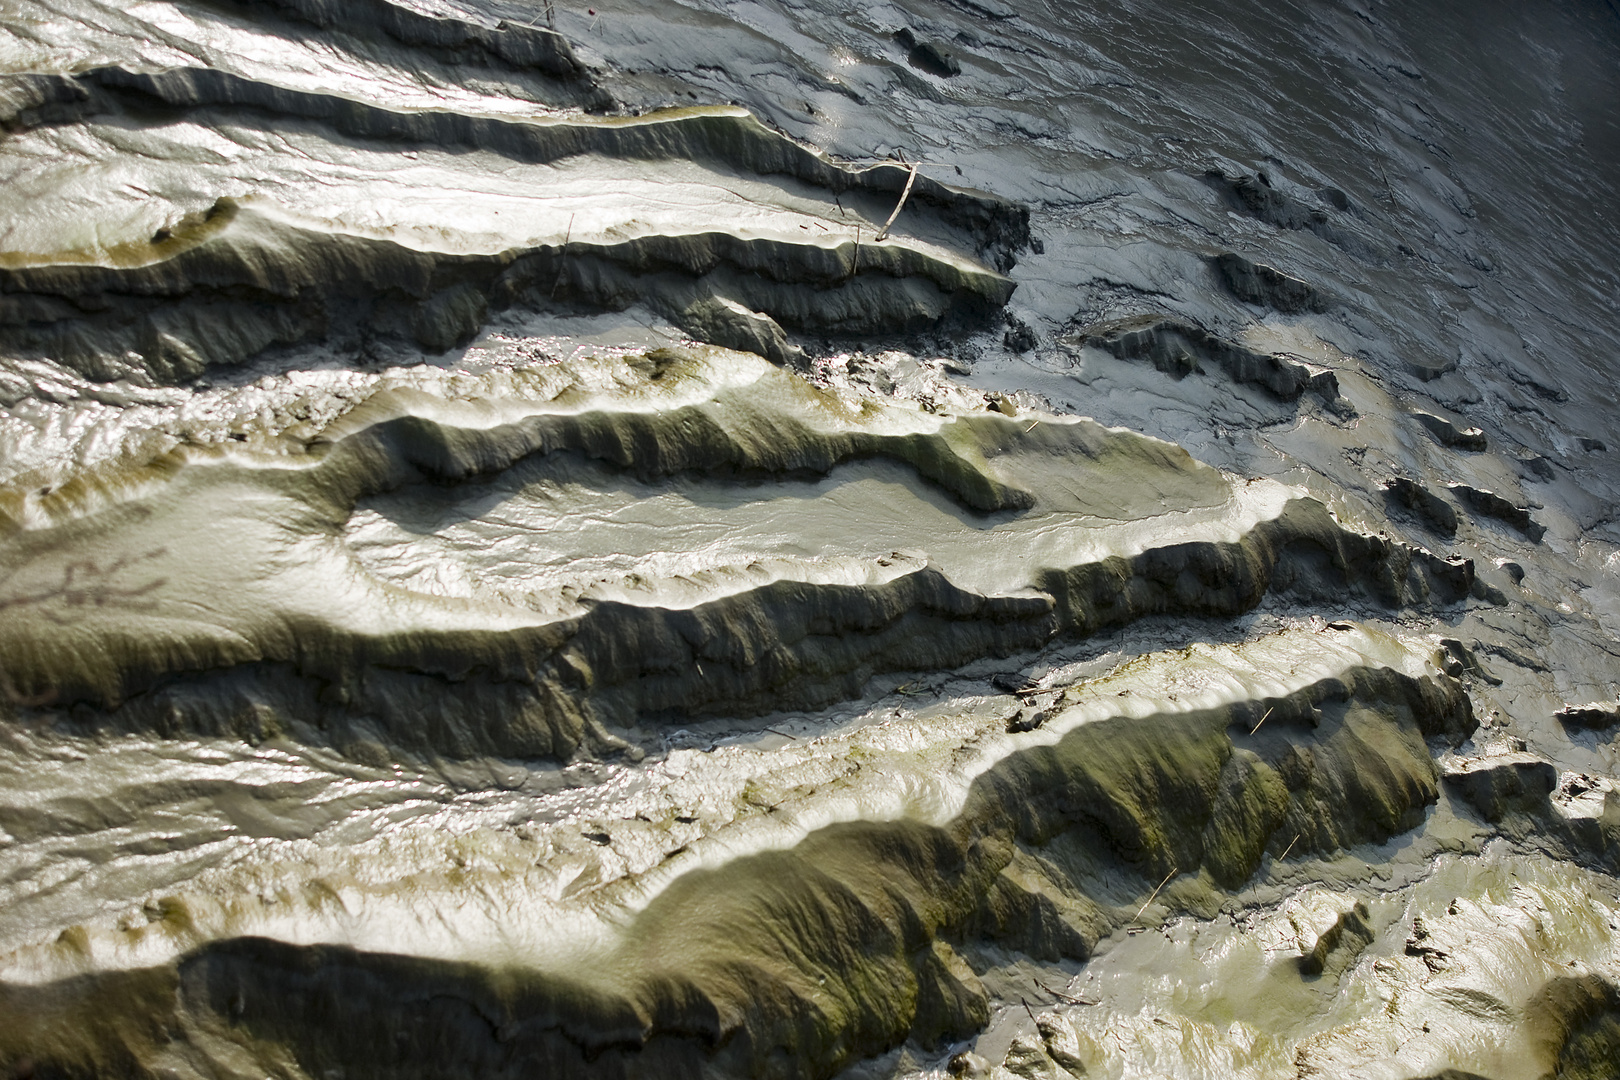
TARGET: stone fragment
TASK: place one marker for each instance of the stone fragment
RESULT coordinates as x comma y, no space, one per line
1179,348
1027,1058
933,57
1070,1049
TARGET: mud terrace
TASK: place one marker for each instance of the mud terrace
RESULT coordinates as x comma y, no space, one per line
808,540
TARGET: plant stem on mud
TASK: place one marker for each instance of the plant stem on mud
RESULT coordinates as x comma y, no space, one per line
1154,893
883,233
562,256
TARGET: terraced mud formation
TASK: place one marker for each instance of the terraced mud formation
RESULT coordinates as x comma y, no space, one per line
804,540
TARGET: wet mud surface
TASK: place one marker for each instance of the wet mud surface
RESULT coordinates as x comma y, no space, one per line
809,540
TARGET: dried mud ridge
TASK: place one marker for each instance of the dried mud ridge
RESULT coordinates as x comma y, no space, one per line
1179,348
515,46
223,284
758,964
242,637
648,712
778,957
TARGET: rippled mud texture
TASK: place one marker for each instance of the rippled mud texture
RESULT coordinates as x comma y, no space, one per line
527,682
809,540
220,283
772,963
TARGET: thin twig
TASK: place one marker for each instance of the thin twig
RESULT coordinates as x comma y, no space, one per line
779,731
562,257
855,258
1290,847
551,19
651,329
1262,720
1154,893
1062,996
1028,1009
883,233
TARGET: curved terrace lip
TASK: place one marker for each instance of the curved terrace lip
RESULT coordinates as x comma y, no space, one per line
266,219
904,778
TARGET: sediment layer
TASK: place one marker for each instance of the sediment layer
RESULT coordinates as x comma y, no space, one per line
240,280
407,667
1179,348
188,283
725,136
459,41
796,961
251,632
